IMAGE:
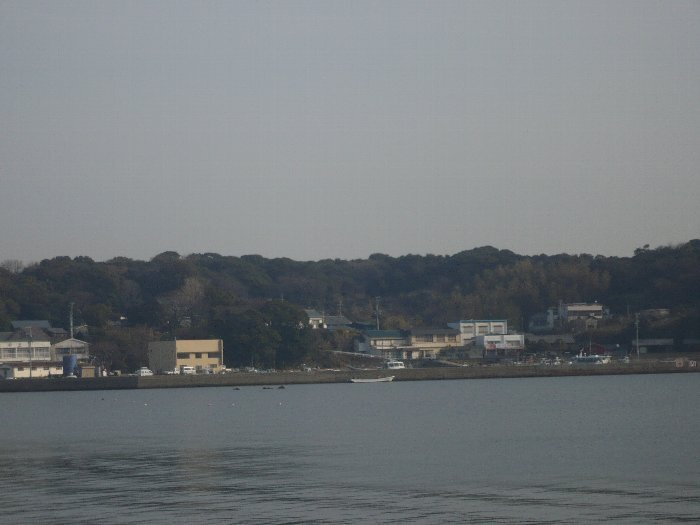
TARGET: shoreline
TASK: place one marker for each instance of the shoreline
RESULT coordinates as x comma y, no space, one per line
342,376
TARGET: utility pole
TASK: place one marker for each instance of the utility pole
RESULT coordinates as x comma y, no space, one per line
377,310
636,325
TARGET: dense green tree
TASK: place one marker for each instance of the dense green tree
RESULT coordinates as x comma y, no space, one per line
256,304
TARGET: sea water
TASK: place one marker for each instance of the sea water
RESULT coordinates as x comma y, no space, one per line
575,449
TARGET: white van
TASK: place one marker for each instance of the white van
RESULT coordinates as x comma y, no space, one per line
143,371
188,370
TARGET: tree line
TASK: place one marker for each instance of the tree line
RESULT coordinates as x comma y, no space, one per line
256,304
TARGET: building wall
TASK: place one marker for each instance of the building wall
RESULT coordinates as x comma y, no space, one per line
500,345
21,370
13,351
75,347
510,341
469,329
161,356
436,341
569,312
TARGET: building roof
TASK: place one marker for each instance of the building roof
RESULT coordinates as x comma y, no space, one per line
313,314
337,320
653,342
482,320
20,335
551,339
389,334
17,325
71,343
435,331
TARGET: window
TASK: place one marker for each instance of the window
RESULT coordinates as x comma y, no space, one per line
198,355
183,355
213,355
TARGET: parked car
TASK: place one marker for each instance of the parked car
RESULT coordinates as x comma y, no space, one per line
143,371
188,370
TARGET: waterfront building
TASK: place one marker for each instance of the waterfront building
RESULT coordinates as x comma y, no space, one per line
471,328
381,342
23,355
201,354
72,346
500,345
427,343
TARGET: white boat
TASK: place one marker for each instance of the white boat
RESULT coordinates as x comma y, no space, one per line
375,380
395,365
594,359
590,358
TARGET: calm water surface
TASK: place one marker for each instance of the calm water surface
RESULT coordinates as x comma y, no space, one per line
578,449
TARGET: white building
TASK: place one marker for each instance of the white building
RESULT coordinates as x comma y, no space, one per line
315,319
14,350
72,346
23,356
471,328
575,311
499,345
21,370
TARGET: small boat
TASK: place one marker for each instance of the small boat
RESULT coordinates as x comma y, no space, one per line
594,359
375,380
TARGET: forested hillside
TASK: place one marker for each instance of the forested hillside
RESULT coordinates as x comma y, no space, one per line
255,303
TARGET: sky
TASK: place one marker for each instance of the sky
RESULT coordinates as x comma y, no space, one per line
335,129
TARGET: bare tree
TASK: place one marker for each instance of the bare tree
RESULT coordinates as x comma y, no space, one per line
12,265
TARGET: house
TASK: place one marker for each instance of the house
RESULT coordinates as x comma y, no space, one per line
337,322
426,343
315,319
471,328
330,322
552,343
23,355
579,316
500,345
202,354
382,342
72,346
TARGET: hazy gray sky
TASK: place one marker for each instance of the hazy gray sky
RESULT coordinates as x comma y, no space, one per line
327,129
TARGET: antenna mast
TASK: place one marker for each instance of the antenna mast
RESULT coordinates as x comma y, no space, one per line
71,320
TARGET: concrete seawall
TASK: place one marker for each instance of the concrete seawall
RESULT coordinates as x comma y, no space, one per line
328,376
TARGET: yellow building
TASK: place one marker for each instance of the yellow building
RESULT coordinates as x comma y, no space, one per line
203,355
